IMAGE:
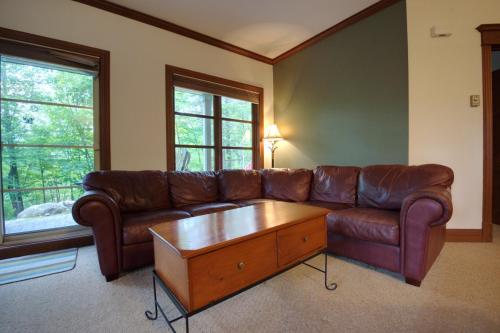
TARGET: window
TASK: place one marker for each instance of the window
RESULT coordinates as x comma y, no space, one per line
212,123
50,133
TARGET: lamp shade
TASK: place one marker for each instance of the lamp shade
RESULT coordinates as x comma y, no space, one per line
272,133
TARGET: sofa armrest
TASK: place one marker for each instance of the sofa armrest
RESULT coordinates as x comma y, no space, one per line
437,194
98,210
424,214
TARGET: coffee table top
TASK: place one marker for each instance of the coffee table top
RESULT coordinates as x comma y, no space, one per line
200,234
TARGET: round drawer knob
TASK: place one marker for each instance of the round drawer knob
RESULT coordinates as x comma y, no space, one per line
306,239
241,265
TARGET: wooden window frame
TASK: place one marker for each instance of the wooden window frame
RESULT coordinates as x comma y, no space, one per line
180,77
103,58
58,239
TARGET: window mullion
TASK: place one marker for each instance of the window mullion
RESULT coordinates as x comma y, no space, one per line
218,132
255,136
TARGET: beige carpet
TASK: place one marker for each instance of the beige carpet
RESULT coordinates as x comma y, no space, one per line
460,294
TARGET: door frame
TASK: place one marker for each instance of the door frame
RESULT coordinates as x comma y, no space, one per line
60,238
490,41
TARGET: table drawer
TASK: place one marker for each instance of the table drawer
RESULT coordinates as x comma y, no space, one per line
225,271
299,240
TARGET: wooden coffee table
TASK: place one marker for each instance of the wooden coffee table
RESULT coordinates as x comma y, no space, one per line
202,260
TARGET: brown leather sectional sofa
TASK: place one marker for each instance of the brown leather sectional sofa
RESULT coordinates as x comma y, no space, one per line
389,216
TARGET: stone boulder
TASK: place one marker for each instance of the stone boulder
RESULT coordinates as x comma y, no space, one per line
47,209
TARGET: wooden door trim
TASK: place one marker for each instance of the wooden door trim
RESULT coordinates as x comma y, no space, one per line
464,235
490,38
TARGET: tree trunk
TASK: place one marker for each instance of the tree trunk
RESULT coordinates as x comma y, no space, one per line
13,182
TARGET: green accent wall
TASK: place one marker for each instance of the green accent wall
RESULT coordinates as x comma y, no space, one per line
344,100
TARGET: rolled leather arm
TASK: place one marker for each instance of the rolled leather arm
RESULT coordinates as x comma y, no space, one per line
98,210
423,215
80,214
438,194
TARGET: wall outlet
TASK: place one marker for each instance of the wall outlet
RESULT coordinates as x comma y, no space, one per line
475,101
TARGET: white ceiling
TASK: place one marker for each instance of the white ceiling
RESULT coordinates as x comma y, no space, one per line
268,27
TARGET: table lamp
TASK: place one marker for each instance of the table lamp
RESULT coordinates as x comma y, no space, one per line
272,136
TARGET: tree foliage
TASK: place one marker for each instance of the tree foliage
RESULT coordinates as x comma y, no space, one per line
33,123
200,131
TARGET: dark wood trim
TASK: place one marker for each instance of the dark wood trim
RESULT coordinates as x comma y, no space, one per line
219,87
260,127
218,132
172,27
18,250
194,115
215,89
103,57
104,79
105,112
369,11
464,235
182,72
490,38
169,90
169,26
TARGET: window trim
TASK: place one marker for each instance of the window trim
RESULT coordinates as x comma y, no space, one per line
101,56
64,237
175,76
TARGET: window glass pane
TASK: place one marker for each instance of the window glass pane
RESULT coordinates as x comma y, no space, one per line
46,124
236,159
193,131
236,109
27,167
190,101
194,159
236,134
35,83
41,209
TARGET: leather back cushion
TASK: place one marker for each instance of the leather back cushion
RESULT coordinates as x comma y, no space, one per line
133,191
286,184
239,185
335,184
189,188
386,186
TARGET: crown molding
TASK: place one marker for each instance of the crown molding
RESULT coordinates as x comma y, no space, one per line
169,26
172,27
367,12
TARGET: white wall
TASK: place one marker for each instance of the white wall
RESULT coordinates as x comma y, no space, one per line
139,53
443,73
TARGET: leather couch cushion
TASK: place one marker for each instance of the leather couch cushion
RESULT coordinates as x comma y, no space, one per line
328,205
239,185
335,184
250,202
191,188
135,226
367,224
202,209
133,191
286,184
386,186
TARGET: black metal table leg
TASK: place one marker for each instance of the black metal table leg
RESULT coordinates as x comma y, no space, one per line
154,316
148,313
186,314
328,285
